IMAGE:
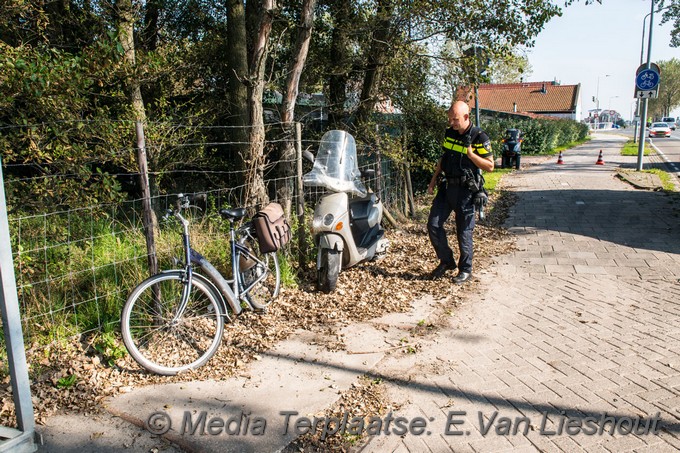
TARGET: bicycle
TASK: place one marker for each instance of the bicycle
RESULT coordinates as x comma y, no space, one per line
174,321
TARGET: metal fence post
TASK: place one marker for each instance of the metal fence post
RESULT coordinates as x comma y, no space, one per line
22,439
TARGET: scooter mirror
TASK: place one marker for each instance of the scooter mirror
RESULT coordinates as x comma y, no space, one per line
308,155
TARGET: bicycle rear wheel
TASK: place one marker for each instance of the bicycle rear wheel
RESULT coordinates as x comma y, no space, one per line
162,344
259,274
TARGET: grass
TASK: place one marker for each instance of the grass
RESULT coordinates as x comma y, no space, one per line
74,274
665,177
491,179
289,277
631,149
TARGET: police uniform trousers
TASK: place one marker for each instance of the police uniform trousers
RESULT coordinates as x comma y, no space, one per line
459,200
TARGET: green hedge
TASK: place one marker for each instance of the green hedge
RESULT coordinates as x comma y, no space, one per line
540,135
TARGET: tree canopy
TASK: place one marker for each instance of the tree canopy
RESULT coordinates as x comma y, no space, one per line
669,89
206,63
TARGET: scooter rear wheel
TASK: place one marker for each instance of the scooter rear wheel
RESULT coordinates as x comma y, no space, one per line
327,275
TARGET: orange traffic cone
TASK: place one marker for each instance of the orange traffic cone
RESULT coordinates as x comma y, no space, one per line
599,159
559,159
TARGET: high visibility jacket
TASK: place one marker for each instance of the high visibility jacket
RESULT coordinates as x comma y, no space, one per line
455,147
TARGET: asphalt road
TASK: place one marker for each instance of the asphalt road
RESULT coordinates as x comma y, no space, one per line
667,148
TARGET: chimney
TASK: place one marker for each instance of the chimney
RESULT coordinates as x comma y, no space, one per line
514,107
544,90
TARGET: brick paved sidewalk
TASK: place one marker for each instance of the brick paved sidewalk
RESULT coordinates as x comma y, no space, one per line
580,324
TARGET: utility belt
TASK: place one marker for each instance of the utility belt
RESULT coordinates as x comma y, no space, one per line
468,180
456,181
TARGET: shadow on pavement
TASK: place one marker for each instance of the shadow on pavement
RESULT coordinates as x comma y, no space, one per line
497,403
638,219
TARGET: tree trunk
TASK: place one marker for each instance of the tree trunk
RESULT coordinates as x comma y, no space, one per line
255,191
286,166
126,21
341,11
238,107
376,61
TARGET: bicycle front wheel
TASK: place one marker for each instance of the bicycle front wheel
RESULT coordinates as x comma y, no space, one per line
162,342
259,274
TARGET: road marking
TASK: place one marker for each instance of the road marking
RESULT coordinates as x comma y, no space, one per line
663,156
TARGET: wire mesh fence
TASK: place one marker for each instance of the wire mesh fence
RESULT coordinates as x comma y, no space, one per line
77,254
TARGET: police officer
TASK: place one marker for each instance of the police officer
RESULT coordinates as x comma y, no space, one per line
467,149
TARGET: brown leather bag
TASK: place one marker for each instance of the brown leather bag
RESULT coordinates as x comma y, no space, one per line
271,226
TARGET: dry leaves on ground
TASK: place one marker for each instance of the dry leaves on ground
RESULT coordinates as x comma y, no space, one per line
347,420
72,376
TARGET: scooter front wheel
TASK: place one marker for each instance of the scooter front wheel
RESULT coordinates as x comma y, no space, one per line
327,275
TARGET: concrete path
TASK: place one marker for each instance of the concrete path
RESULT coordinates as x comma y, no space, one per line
579,328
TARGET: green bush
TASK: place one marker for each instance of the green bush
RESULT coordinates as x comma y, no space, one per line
540,136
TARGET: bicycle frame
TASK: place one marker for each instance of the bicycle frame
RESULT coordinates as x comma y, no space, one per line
228,290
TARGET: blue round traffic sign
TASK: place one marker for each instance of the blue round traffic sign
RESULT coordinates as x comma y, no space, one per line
647,79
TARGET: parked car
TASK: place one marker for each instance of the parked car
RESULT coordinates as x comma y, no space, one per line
659,130
670,121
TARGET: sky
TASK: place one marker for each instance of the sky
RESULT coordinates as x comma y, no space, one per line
600,43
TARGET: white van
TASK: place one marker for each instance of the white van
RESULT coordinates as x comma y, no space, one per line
670,120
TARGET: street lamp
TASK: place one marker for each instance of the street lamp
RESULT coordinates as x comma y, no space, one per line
611,117
644,25
610,101
642,52
597,97
481,62
643,113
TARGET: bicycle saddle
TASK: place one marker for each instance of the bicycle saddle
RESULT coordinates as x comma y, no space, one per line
233,214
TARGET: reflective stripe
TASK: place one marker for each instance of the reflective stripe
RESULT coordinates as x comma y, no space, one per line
454,146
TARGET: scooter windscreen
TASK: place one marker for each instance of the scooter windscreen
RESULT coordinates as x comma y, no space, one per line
335,165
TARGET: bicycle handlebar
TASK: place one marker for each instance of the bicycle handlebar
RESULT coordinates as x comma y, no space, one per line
184,200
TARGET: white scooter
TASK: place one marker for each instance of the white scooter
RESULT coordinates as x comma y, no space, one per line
346,225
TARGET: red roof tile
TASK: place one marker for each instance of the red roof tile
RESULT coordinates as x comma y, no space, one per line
533,97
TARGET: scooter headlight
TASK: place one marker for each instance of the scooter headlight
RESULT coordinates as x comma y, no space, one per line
328,219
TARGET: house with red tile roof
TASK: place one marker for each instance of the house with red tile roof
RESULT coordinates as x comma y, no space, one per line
532,98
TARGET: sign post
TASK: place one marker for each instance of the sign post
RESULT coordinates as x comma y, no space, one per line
647,78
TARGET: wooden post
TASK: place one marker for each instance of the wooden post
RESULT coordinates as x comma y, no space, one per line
409,191
149,217
302,224
378,160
